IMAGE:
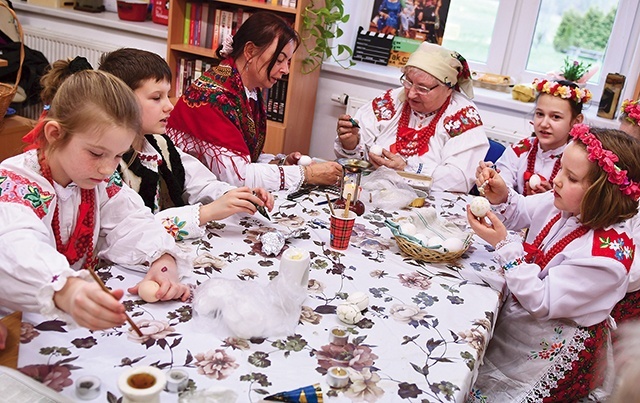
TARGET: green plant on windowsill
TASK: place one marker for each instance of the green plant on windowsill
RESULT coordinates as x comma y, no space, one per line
321,26
573,70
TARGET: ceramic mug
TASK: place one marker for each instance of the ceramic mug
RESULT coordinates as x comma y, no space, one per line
142,384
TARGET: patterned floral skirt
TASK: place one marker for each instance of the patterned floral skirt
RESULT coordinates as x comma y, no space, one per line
628,308
541,361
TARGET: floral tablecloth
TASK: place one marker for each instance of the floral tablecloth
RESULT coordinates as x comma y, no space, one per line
422,338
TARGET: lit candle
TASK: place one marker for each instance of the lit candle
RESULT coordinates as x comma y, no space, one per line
337,377
349,189
338,336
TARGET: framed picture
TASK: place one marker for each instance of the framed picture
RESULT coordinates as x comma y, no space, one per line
423,20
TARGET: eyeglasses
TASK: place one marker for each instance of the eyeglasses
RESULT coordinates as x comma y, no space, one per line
419,89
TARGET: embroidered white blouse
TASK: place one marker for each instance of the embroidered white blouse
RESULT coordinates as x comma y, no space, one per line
584,281
457,146
200,187
32,269
513,163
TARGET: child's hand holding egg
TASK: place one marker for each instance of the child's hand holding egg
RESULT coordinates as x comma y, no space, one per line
480,206
147,290
534,181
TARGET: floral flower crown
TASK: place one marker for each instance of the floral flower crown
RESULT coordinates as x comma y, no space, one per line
579,95
631,111
607,161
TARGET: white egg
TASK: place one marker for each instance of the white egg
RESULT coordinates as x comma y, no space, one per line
434,241
375,149
480,206
359,299
422,238
534,181
349,313
408,229
147,290
453,244
304,160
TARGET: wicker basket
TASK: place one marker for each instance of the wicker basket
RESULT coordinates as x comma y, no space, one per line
419,252
8,91
413,247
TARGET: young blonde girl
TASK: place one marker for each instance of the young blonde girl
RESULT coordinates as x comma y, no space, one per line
552,333
558,108
61,206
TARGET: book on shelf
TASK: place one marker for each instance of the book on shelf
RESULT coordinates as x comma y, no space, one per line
211,13
187,24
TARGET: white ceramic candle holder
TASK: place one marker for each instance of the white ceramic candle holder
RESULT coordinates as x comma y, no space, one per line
337,377
338,336
142,385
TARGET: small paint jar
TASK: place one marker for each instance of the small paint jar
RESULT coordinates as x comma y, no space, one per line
88,387
177,380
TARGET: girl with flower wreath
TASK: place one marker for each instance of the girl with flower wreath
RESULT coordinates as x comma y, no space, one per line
558,108
629,308
551,338
630,118
62,205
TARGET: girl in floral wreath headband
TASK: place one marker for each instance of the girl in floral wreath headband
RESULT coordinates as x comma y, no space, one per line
630,118
530,165
568,274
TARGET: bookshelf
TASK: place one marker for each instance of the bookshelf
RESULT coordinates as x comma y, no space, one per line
293,133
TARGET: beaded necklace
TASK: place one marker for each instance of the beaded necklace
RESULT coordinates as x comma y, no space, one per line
535,255
411,141
80,243
531,164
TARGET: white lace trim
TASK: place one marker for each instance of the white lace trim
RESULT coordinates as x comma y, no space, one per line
562,366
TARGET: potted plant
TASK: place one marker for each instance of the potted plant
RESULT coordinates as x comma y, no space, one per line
321,26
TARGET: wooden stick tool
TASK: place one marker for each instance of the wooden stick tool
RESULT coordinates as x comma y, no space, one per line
104,288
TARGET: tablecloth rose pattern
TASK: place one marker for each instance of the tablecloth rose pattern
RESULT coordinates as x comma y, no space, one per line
422,337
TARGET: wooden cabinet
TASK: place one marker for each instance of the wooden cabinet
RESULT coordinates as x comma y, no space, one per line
294,132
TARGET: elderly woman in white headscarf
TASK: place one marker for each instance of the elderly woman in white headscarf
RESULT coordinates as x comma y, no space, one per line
426,126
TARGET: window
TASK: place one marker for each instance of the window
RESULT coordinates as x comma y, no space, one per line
526,39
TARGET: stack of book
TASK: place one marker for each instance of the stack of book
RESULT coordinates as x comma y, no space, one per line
276,100
189,69
206,25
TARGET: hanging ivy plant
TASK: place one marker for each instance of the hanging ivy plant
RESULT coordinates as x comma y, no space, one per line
321,26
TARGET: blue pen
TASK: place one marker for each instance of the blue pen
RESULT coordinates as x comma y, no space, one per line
354,123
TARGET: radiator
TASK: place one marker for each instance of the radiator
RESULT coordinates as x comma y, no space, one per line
57,46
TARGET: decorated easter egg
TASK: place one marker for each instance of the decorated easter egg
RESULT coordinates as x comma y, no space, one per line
376,149
349,313
408,228
147,290
480,206
304,160
453,244
534,181
359,299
